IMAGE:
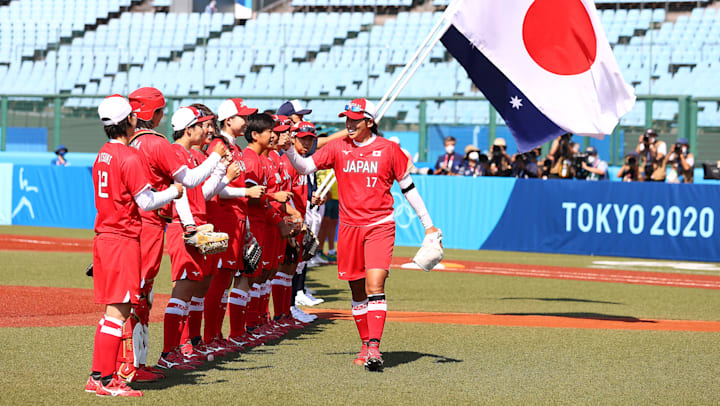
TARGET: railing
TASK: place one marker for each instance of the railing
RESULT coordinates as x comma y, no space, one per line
81,125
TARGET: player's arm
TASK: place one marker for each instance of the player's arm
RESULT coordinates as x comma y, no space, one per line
149,200
193,177
304,165
321,142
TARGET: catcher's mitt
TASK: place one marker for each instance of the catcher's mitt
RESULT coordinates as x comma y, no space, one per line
251,255
205,239
291,252
310,245
431,251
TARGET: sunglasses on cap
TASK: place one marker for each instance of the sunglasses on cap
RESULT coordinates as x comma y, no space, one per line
306,129
283,122
354,108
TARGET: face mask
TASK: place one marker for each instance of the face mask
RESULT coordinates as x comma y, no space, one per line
591,159
450,149
473,156
684,150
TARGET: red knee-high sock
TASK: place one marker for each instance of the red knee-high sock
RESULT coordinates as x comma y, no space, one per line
237,304
265,304
107,341
377,311
277,294
222,312
219,283
360,314
174,314
253,306
194,320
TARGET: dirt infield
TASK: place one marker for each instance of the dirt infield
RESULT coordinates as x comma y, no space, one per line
578,274
33,306
27,306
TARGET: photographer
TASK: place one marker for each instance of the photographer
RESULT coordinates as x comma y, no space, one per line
596,167
652,153
525,165
630,171
500,161
561,154
475,163
449,162
681,161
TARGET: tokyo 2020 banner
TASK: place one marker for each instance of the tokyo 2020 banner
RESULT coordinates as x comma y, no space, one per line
646,220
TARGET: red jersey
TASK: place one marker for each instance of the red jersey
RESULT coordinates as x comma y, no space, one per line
298,185
118,176
196,199
257,169
238,205
364,175
162,164
276,182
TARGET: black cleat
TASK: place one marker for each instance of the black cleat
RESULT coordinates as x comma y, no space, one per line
374,361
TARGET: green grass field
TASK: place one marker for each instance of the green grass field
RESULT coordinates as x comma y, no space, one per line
425,363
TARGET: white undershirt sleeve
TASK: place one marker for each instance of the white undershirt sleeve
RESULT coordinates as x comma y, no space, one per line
416,202
182,206
304,165
190,178
215,182
232,192
149,200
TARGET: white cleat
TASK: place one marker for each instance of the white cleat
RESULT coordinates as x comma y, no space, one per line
301,299
302,316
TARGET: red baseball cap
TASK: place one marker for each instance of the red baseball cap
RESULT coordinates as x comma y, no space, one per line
358,109
145,101
234,107
304,129
282,123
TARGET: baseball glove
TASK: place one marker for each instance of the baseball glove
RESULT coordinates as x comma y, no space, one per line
431,251
310,245
205,239
291,252
251,255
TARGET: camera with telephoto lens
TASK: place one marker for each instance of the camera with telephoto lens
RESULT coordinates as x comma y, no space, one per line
645,139
578,159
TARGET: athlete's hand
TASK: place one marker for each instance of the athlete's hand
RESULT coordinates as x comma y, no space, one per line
282,196
233,171
220,149
179,188
433,230
285,230
285,141
255,192
317,200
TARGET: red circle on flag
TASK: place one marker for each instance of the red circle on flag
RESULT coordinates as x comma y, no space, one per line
559,36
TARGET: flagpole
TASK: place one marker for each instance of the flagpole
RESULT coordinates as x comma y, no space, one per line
414,69
403,78
448,10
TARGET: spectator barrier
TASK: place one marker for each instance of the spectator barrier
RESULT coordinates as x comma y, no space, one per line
648,220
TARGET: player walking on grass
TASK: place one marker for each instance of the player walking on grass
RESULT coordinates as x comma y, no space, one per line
121,190
366,167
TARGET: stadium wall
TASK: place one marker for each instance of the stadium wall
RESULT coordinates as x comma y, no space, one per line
647,220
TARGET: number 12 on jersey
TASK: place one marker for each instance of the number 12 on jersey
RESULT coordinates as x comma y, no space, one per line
371,181
102,183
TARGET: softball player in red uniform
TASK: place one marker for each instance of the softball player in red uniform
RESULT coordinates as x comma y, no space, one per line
163,168
121,190
366,167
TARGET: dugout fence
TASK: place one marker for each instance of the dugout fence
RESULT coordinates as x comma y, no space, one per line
76,125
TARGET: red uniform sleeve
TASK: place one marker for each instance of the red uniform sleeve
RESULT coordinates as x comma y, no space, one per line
324,158
134,175
253,169
399,162
167,159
